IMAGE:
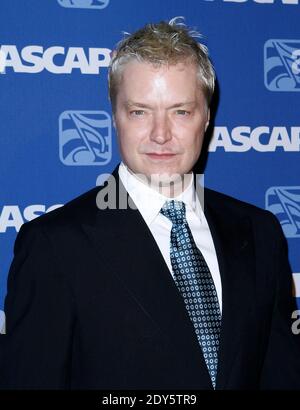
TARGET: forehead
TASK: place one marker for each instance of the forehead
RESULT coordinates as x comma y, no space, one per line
140,70
146,79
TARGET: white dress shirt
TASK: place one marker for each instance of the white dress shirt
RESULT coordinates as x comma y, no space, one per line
149,203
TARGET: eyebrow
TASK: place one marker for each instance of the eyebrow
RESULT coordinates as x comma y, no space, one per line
130,103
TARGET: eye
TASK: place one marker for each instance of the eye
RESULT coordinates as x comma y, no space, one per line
182,112
137,113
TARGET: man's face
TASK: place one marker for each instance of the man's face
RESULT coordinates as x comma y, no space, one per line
161,116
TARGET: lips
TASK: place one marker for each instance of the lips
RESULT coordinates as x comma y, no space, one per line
165,155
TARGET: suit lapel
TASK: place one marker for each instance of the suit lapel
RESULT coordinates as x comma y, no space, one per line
233,243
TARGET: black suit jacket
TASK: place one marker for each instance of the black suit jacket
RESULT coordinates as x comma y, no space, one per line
91,304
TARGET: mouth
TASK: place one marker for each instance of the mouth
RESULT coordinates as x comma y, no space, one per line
162,156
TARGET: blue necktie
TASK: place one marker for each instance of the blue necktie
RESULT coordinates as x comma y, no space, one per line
195,283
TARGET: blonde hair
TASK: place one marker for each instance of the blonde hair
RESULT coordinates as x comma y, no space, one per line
164,43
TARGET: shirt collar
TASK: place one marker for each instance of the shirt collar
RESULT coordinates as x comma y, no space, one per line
149,201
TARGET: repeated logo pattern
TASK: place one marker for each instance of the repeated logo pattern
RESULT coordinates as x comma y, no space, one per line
85,138
84,4
284,202
282,65
195,283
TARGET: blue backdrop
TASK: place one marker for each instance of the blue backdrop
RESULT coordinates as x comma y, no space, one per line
56,133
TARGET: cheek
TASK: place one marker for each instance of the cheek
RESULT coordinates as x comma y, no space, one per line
193,140
128,142
132,131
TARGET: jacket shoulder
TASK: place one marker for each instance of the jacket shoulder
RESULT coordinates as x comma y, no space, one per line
234,207
79,210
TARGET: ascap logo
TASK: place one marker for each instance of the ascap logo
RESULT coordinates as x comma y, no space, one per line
56,59
85,138
261,139
284,2
84,4
282,65
284,203
11,216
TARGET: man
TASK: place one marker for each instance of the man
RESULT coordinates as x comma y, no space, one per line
168,292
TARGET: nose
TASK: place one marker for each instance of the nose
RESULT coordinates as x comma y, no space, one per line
161,130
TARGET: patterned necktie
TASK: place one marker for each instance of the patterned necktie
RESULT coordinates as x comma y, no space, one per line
194,281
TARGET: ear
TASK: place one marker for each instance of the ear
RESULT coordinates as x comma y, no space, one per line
208,118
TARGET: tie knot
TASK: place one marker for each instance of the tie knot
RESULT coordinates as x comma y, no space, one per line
175,211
